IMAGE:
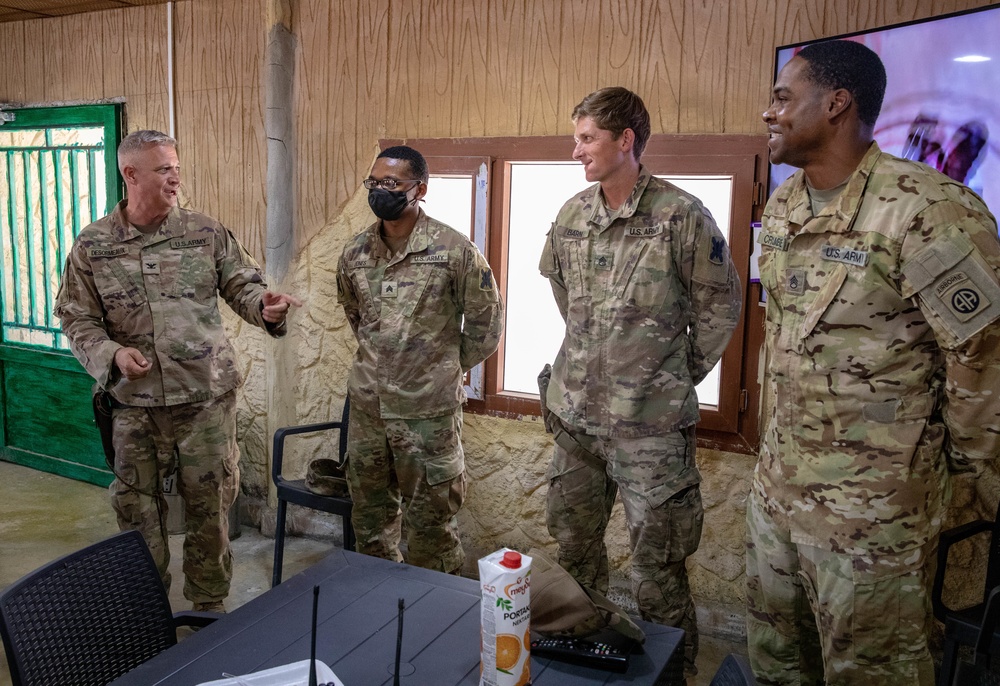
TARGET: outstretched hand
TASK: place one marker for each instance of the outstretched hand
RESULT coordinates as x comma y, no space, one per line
276,306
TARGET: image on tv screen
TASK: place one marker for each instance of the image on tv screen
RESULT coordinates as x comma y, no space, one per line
942,99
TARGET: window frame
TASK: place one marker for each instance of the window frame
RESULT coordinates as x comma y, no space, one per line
732,425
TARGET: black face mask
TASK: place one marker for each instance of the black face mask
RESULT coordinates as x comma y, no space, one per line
387,204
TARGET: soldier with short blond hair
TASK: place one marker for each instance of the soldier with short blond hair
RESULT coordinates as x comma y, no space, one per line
883,351
139,305
644,280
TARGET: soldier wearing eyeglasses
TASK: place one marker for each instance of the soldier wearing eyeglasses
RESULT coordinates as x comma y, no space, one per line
424,307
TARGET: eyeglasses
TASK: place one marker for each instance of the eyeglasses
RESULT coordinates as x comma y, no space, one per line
388,183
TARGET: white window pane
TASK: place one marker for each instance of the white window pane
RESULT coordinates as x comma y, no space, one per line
534,327
449,200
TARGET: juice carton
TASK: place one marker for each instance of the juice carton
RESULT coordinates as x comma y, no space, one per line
506,619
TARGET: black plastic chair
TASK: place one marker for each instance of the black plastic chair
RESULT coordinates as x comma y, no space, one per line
734,671
972,626
90,617
295,491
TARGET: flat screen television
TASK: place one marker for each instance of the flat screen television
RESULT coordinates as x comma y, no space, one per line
942,98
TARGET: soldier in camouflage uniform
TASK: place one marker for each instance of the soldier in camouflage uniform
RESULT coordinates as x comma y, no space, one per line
643,278
883,363
139,305
423,305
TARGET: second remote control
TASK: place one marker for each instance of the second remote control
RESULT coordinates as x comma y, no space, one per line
580,652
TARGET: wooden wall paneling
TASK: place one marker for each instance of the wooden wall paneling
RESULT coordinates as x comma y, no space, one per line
85,62
705,52
372,102
413,62
12,57
35,61
658,64
53,46
111,27
579,58
504,57
748,70
540,68
314,124
470,78
438,35
341,104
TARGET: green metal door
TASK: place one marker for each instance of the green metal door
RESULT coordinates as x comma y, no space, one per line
58,173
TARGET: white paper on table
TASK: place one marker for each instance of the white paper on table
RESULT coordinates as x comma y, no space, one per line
294,674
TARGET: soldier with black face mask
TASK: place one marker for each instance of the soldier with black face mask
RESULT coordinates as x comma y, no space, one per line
424,307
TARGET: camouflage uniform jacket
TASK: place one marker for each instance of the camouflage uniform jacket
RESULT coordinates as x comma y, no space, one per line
884,354
407,312
160,296
650,298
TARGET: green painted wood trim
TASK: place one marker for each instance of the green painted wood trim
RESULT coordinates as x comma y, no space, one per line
29,237
50,359
46,244
53,465
15,249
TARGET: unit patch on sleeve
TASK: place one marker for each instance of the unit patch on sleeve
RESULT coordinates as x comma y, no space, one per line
486,279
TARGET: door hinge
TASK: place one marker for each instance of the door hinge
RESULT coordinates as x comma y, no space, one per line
6,116
744,400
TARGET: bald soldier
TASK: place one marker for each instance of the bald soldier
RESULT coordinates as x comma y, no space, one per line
883,352
139,303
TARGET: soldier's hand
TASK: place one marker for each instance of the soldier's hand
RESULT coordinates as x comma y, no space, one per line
276,306
132,364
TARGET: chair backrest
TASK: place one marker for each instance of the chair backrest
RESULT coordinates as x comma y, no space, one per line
88,617
993,564
734,671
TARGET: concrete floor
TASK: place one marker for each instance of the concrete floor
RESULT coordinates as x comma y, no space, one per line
43,517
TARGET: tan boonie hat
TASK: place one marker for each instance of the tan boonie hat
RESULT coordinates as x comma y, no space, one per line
326,477
561,606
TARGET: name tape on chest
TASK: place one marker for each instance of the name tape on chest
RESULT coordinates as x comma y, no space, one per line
106,252
178,243
773,240
574,233
360,264
430,259
858,258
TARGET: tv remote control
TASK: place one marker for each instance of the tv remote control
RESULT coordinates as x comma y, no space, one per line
580,652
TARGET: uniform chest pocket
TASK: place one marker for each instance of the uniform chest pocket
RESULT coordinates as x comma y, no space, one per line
645,276
425,282
120,293
192,273
821,303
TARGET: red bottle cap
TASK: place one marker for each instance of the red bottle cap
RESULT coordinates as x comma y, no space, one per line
511,559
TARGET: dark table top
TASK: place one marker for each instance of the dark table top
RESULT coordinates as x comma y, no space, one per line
356,633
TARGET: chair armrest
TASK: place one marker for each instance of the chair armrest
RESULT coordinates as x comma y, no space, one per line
278,452
192,618
988,627
948,539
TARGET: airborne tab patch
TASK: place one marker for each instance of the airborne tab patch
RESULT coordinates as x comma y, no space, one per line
859,258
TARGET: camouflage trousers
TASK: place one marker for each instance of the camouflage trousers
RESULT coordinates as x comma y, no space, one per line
204,435
818,617
407,472
657,481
